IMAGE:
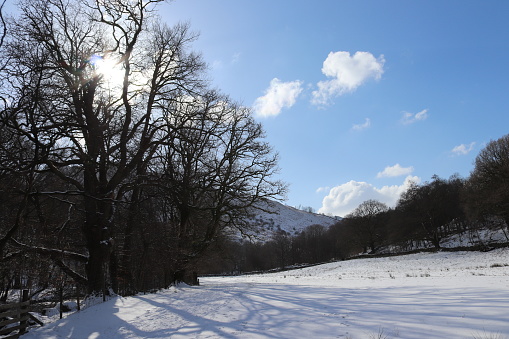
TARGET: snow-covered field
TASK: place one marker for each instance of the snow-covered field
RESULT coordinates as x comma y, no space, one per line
434,295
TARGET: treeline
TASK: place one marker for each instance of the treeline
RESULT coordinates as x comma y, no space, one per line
116,181
424,216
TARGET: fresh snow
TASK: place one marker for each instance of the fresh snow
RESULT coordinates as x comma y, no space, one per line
426,295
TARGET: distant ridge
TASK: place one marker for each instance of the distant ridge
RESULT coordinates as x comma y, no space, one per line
271,217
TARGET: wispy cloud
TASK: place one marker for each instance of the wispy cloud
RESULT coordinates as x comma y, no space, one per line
410,118
360,127
463,149
236,57
221,64
279,95
217,64
347,73
322,189
343,199
395,171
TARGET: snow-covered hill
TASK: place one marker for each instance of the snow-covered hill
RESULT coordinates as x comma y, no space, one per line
272,216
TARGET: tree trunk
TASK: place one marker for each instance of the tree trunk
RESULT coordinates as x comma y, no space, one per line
95,270
435,240
97,231
113,265
125,269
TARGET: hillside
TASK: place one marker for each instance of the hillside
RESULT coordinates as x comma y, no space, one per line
272,216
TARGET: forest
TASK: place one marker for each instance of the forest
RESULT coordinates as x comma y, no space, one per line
122,170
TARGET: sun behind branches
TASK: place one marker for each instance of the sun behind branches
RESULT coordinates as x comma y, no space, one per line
110,69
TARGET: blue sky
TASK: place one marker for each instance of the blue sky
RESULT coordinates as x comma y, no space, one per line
360,97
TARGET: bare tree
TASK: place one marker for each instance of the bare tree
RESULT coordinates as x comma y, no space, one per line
488,186
216,169
367,223
112,102
282,245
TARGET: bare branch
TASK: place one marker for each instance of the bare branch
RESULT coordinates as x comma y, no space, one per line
54,253
3,34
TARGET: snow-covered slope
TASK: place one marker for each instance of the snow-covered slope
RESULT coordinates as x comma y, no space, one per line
272,216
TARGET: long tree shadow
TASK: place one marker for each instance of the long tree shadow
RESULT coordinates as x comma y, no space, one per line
256,310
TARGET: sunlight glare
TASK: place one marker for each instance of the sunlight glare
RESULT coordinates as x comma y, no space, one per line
109,68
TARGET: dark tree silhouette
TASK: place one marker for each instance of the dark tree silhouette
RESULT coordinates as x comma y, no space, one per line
488,186
431,209
367,223
115,107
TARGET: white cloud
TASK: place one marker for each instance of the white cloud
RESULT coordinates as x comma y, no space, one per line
360,127
279,95
410,118
395,171
347,73
343,199
463,149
